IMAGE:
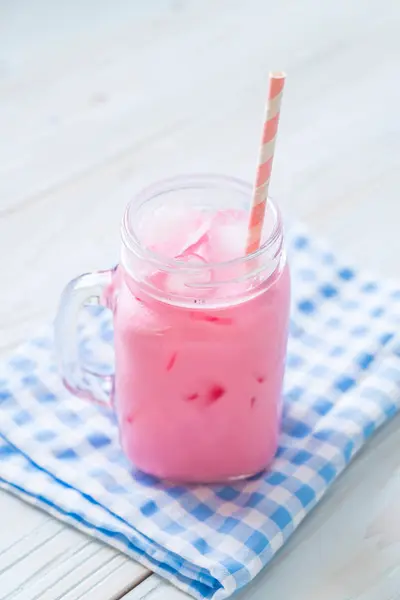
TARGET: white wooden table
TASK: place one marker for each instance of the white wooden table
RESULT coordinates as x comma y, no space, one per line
98,98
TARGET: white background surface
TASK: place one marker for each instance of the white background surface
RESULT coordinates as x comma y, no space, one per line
98,98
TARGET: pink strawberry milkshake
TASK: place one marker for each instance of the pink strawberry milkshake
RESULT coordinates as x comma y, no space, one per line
200,333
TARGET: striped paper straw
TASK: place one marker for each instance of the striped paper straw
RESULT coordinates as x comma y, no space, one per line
276,84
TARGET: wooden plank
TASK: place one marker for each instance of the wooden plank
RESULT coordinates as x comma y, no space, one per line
42,559
349,548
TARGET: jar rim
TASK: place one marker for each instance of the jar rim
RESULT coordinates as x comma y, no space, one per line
196,181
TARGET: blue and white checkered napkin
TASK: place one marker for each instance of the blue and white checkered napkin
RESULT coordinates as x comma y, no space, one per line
342,382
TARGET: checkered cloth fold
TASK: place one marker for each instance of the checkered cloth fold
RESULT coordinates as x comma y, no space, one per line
342,382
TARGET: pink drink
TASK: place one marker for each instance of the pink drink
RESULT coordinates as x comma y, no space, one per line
200,332
199,371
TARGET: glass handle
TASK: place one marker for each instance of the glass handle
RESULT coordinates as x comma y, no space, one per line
86,289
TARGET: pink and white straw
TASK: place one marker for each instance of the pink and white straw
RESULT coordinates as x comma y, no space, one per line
260,195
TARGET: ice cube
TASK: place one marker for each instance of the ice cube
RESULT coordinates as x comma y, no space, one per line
229,232
169,230
227,239
197,242
188,282
175,283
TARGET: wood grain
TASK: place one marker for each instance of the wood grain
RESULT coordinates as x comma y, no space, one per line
97,99
42,559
